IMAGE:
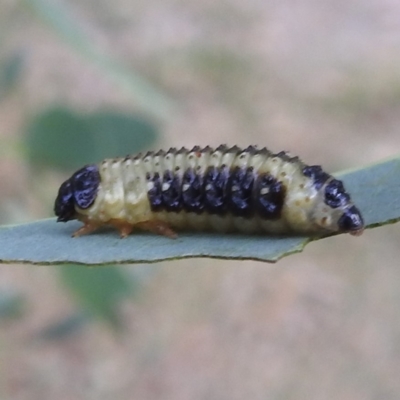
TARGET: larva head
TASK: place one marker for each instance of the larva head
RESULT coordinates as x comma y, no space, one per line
79,191
335,211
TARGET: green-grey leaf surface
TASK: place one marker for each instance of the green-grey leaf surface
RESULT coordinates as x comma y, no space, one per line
375,190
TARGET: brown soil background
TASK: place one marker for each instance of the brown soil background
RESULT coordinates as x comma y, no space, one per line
318,78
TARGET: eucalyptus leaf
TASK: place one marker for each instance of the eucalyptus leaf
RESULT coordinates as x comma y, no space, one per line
375,189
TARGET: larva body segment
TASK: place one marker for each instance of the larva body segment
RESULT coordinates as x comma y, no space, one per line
224,189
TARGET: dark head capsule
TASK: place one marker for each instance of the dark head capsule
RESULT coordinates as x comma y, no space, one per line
80,190
64,205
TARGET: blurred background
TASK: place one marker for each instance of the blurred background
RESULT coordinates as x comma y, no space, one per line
88,79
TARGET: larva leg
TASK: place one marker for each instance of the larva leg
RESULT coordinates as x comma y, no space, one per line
158,227
88,227
123,227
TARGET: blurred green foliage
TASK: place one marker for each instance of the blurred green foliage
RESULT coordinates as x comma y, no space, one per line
98,290
12,304
10,72
63,139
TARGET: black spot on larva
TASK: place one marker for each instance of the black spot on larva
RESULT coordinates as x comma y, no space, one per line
285,156
269,197
155,194
215,188
160,153
240,189
351,220
264,152
335,194
222,148
316,173
182,150
171,192
252,150
282,154
234,149
193,191
172,151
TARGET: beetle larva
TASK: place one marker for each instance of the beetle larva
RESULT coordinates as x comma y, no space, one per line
224,190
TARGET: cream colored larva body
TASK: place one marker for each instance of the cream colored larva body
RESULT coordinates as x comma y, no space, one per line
222,190
123,193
